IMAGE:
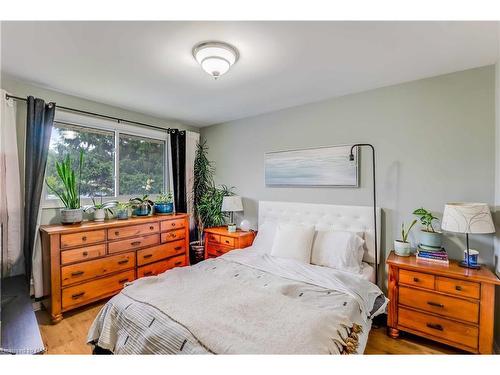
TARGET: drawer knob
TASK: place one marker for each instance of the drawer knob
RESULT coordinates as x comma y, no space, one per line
178,248
123,281
416,279
84,238
147,256
148,273
85,253
77,273
438,327
173,235
173,224
117,233
227,241
458,287
178,263
123,261
77,295
135,243
435,304
151,227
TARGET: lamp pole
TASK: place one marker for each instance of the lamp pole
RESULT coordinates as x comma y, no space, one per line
351,158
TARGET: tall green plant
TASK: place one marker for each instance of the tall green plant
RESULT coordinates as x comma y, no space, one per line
70,194
211,204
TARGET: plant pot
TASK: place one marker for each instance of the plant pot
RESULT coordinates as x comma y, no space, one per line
142,210
99,214
231,228
164,208
198,251
71,216
431,239
122,214
402,248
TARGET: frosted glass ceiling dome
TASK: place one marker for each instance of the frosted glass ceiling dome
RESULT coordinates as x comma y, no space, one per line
215,58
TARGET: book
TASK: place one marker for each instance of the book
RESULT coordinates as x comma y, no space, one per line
430,248
432,259
433,254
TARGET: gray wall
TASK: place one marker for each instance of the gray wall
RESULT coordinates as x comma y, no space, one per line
21,88
434,140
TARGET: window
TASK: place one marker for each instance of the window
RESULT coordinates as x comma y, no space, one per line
120,160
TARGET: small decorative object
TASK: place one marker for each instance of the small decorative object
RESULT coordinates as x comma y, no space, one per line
100,209
70,192
402,247
473,256
141,206
429,238
164,204
474,218
245,225
231,204
439,256
122,209
324,166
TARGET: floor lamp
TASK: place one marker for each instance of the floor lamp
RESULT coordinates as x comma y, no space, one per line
351,158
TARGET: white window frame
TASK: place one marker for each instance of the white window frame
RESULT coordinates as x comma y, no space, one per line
91,122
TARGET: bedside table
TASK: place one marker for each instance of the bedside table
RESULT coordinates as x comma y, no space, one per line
219,241
445,303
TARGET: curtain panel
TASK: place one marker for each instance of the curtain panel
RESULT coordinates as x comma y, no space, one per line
10,191
192,140
178,160
39,121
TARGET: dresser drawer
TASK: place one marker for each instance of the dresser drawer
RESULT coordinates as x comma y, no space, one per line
173,235
161,266
451,307
441,328
458,287
79,294
133,243
215,250
155,253
422,280
82,238
172,224
219,239
83,253
98,267
133,230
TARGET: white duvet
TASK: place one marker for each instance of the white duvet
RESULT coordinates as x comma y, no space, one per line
248,303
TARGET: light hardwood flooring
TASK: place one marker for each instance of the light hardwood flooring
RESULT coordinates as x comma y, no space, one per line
69,336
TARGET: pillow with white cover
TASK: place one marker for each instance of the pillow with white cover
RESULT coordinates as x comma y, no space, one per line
342,250
264,239
293,241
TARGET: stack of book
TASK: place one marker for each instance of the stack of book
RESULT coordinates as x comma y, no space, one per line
432,254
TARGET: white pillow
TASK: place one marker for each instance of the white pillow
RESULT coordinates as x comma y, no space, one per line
293,241
338,249
264,239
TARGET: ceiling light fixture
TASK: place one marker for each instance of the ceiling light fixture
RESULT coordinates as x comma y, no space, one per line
215,58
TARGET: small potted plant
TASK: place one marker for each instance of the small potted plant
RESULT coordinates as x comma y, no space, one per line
141,206
402,247
69,194
429,237
100,209
122,210
164,204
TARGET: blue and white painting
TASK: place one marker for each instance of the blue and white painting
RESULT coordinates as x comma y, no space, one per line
324,166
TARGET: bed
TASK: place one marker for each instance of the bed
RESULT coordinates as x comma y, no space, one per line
250,301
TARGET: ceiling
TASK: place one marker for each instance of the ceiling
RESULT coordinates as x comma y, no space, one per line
148,67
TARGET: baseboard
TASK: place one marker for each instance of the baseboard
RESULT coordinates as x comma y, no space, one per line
496,348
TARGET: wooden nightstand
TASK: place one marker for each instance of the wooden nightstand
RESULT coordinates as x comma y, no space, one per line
449,304
219,241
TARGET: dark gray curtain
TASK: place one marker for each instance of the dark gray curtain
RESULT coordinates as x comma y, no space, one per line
178,155
40,117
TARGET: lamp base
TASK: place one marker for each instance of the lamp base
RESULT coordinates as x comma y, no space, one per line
465,265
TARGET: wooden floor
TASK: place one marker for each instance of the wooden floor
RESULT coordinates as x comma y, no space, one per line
69,336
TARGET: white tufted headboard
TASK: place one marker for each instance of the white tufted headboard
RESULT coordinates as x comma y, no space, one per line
353,218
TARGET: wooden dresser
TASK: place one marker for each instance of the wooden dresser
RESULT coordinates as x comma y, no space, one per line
90,261
219,241
449,304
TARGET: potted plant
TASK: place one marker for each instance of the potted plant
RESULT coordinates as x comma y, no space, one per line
122,210
141,206
428,236
69,194
402,247
100,209
164,204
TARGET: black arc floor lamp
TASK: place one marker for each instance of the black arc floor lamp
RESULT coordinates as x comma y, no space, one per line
351,158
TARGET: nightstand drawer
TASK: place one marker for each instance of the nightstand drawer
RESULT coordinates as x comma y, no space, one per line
215,238
440,328
227,241
458,287
215,250
439,304
422,280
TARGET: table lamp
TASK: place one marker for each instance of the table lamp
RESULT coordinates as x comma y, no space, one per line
468,218
231,204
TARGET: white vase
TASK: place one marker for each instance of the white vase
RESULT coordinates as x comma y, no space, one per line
99,214
401,248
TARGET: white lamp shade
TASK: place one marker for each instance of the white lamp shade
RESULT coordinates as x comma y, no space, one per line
232,203
467,218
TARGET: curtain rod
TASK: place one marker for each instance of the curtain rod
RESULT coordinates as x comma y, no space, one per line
8,96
